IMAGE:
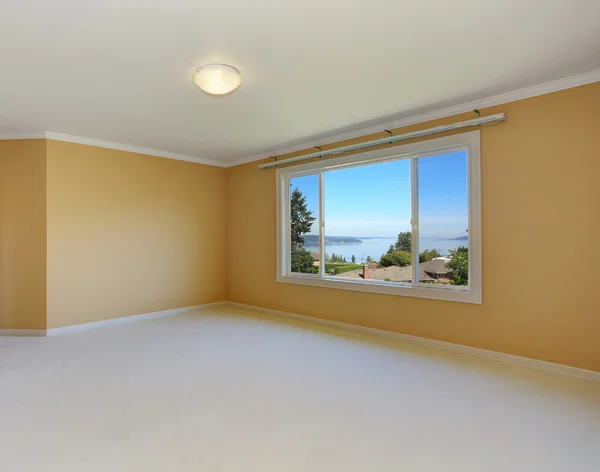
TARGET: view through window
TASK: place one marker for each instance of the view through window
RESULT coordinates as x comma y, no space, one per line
397,222
368,231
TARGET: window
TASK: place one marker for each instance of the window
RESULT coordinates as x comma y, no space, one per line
402,220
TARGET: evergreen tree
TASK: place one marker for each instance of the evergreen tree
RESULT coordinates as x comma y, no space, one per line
301,223
353,259
302,261
301,218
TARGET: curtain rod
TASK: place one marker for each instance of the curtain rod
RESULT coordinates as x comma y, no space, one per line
484,120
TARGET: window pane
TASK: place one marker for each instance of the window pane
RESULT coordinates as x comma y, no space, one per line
304,224
443,219
367,222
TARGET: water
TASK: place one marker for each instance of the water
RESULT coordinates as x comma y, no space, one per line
375,247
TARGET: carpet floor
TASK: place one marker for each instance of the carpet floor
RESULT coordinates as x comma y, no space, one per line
225,390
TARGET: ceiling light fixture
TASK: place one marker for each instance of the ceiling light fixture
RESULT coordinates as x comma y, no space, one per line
217,79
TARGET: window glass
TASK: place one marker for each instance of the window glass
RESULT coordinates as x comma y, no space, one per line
367,222
443,219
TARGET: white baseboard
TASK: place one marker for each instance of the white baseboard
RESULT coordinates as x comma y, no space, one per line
104,323
22,332
127,319
473,351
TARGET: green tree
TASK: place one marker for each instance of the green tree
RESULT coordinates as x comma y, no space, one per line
301,223
353,259
391,249
404,242
370,259
428,255
337,259
333,258
301,218
459,266
302,261
396,258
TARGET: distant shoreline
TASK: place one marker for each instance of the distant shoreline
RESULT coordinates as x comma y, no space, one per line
313,239
375,247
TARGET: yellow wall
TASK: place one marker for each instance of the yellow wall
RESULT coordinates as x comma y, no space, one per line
540,206
131,233
23,234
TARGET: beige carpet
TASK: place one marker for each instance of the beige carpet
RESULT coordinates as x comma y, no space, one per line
227,391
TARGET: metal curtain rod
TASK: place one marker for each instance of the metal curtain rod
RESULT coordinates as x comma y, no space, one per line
484,120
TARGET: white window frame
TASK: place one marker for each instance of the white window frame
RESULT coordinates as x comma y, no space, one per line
469,142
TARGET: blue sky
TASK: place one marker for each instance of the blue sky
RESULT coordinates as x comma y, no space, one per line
374,200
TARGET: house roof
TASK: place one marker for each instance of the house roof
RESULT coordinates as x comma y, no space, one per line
435,266
395,273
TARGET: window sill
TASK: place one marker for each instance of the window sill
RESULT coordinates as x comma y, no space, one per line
447,294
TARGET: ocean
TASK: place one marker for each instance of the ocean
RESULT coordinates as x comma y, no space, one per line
375,247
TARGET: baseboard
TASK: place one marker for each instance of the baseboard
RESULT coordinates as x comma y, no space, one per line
127,319
472,351
22,332
105,323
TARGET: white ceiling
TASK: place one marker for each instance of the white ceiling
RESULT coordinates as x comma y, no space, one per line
120,70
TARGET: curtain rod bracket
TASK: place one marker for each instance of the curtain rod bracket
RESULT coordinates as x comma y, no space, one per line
390,133
275,161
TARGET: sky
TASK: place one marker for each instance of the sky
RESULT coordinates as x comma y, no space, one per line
374,200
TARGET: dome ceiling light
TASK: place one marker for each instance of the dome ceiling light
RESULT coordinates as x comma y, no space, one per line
217,79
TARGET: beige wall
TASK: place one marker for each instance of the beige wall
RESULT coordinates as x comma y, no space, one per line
23,234
131,233
540,206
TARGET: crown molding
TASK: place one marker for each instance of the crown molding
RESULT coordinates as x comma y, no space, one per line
128,148
68,138
30,135
356,132
359,131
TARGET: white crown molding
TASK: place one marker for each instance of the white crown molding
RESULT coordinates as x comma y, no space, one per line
356,132
68,138
128,148
31,135
520,94
472,351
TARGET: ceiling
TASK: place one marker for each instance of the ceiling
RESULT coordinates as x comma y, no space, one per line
120,70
